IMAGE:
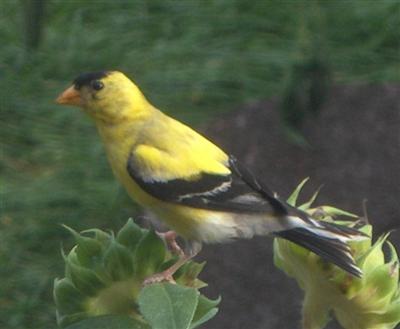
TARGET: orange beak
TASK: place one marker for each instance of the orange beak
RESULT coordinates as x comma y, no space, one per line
70,96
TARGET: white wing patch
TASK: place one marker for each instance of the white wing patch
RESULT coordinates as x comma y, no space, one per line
221,188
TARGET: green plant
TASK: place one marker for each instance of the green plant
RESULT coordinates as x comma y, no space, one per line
102,287
372,302
193,58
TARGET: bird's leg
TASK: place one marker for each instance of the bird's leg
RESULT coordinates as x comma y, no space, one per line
191,249
170,240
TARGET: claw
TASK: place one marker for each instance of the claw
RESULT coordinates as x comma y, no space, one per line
166,275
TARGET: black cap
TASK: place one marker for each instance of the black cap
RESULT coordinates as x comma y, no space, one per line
85,78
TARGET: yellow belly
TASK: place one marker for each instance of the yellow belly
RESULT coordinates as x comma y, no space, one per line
190,223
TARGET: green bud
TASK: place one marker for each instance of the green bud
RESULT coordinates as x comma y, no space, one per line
68,299
104,274
372,302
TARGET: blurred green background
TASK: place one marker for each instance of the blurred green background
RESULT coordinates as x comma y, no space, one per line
193,59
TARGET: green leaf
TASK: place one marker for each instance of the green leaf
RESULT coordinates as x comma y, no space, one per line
374,256
394,261
118,261
206,309
130,235
87,248
378,289
308,204
315,310
68,319
109,322
380,285
332,211
85,280
293,197
67,298
168,306
99,235
392,316
278,257
387,320
360,246
149,255
188,274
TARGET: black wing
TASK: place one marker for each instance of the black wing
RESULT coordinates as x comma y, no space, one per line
237,192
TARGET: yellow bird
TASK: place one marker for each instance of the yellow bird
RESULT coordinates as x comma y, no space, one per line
195,188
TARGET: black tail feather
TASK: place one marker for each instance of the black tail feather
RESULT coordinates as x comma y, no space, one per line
332,250
343,230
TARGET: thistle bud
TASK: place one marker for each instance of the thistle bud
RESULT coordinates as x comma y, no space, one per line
369,302
104,275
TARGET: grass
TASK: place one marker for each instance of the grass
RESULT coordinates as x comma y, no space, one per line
193,59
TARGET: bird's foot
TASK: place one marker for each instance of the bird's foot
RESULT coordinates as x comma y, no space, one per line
164,276
167,275
170,240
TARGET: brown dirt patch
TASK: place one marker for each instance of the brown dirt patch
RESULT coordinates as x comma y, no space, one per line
355,154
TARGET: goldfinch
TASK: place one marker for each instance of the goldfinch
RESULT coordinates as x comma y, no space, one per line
195,188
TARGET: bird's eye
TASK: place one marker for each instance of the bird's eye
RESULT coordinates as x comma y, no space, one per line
97,84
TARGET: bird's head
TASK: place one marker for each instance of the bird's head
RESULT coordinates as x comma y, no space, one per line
107,96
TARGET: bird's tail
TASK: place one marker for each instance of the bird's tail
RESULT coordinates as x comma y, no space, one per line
328,240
